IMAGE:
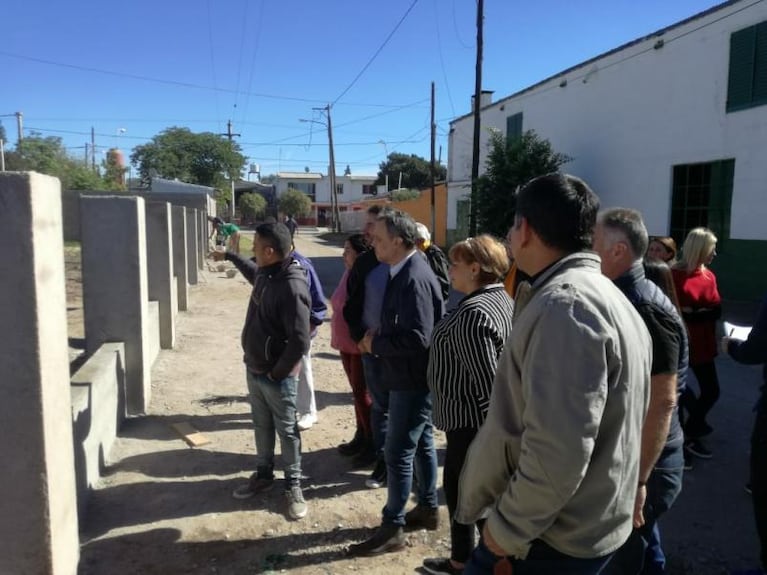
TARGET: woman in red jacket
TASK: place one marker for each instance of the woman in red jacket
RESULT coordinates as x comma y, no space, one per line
701,308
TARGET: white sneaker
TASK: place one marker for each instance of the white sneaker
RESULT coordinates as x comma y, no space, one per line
306,421
296,504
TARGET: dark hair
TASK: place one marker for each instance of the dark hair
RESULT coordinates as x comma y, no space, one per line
660,274
277,236
358,243
561,209
375,210
629,223
668,244
399,225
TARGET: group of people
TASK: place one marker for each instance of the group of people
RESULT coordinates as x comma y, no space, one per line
563,392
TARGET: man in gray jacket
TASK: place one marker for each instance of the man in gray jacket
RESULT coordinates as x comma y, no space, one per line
555,468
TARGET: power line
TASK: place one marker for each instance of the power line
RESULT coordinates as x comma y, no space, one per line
375,55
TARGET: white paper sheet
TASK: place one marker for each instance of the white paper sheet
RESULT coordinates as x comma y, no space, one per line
736,331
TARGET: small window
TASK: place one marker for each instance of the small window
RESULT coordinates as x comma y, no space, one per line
514,126
339,189
747,81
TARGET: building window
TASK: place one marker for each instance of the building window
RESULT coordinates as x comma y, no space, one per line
747,82
369,190
514,126
339,189
702,196
308,188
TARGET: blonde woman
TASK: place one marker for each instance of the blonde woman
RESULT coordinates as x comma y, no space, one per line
701,307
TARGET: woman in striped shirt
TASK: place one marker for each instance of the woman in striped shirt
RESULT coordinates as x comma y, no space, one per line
463,357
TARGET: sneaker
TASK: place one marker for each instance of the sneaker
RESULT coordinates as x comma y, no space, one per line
306,421
441,566
387,538
254,486
377,479
296,504
697,448
422,517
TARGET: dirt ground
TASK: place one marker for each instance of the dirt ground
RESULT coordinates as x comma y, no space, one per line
166,508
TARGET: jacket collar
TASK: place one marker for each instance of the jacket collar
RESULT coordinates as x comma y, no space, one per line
631,276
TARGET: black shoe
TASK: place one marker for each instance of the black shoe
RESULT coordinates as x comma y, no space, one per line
377,479
696,448
422,517
441,566
354,446
364,458
386,538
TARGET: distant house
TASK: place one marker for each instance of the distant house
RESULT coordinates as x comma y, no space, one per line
351,189
673,124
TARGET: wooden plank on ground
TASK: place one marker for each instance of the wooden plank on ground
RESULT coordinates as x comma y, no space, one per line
190,434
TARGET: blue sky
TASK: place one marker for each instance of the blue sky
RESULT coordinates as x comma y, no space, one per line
133,70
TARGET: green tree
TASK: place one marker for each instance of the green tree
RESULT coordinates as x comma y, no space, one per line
252,206
3,136
404,195
511,163
205,158
416,171
48,156
295,203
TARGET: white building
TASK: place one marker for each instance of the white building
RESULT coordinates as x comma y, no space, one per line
351,189
673,124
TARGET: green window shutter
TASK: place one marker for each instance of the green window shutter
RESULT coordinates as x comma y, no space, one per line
760,65
514,126
742,57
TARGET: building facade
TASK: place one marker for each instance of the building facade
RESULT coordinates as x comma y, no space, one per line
673,124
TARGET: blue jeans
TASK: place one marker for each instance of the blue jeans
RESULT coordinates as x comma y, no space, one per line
542,559
273,407
409,445
379,409
642,552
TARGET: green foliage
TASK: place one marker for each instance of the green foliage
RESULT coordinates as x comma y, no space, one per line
48,156
511,163
416,171
294,202
3,135
403,195
252,206
205,158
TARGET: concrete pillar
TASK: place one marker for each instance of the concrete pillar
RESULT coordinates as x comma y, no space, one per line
162,286
202,238
115,287
192,248
178,215
38,507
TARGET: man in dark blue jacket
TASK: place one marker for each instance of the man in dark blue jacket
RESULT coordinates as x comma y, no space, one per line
412,305
754,351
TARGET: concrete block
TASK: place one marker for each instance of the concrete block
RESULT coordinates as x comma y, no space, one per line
38,507
202,238
178,216
153,340
159,231
98,408
115,287
192,247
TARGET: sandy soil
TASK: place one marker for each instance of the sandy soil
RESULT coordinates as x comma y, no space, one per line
166,508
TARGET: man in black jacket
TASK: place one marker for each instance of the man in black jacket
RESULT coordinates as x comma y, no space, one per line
412,305
436,258
274,339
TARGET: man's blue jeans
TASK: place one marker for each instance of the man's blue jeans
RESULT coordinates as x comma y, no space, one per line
542,559
379,409
409,445
273,407
642,552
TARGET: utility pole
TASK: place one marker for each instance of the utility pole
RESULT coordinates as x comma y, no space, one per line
229,134
2,156
93,148
477,104
433,170
332,174
20,126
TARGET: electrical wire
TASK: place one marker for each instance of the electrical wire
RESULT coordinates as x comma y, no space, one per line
441,57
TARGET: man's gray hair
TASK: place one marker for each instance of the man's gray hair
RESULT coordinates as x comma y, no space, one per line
628,223
422,232
399,225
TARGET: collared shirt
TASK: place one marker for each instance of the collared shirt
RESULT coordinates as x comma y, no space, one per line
394,270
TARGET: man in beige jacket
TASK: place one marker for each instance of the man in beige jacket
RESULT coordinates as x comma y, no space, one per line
555,468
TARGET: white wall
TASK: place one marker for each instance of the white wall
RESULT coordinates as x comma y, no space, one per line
627,118
352,187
